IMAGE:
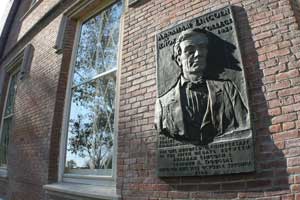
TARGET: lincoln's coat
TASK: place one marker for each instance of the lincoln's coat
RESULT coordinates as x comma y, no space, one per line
225,112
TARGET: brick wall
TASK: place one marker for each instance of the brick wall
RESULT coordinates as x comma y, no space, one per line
34,106
269,40
33,15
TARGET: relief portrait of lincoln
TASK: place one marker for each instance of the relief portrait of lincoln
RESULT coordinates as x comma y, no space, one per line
198,109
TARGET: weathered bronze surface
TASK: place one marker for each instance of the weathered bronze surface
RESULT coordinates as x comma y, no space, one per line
202,111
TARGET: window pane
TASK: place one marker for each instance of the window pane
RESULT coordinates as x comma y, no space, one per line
91,127
11,95
98,44
4,141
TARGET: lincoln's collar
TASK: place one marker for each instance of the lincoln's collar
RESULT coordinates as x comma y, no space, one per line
184,81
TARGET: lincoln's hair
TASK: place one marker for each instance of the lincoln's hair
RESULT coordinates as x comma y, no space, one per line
183,36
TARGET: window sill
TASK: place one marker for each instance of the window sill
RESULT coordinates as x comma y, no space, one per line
80,191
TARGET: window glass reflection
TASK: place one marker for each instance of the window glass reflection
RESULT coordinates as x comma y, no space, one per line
91,127
98,45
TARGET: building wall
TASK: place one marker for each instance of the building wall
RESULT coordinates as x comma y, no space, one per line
34,110
269,41
12,39
34,14
34,141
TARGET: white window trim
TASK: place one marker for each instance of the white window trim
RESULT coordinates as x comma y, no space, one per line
91,180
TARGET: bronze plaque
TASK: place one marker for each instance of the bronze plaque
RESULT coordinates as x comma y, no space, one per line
202,111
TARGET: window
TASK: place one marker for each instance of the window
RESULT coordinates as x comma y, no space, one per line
90,131
8,113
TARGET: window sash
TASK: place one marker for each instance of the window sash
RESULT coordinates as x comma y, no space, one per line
91,122
109,72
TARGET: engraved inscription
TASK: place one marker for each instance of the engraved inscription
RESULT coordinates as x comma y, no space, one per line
213,159
212,22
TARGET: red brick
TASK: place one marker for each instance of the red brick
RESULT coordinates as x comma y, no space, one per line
289,91
292,143
277,17
271,95
269,79
295,81
266,49
292,162
291,108
286,100
263,35
274,103
279,144
295,188
279,85
287,75
284,118
293,170
274,70
297,179
286,135
274,111
288,125
277,53
275,128
298,124
262,57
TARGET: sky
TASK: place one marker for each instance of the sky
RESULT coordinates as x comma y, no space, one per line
3,5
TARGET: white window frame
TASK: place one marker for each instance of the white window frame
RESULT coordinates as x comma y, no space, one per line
109,181
11,71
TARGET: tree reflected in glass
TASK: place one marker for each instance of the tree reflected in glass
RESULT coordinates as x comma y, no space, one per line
91,125
98,45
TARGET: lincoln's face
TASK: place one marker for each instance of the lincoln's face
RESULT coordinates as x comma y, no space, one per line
193,56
